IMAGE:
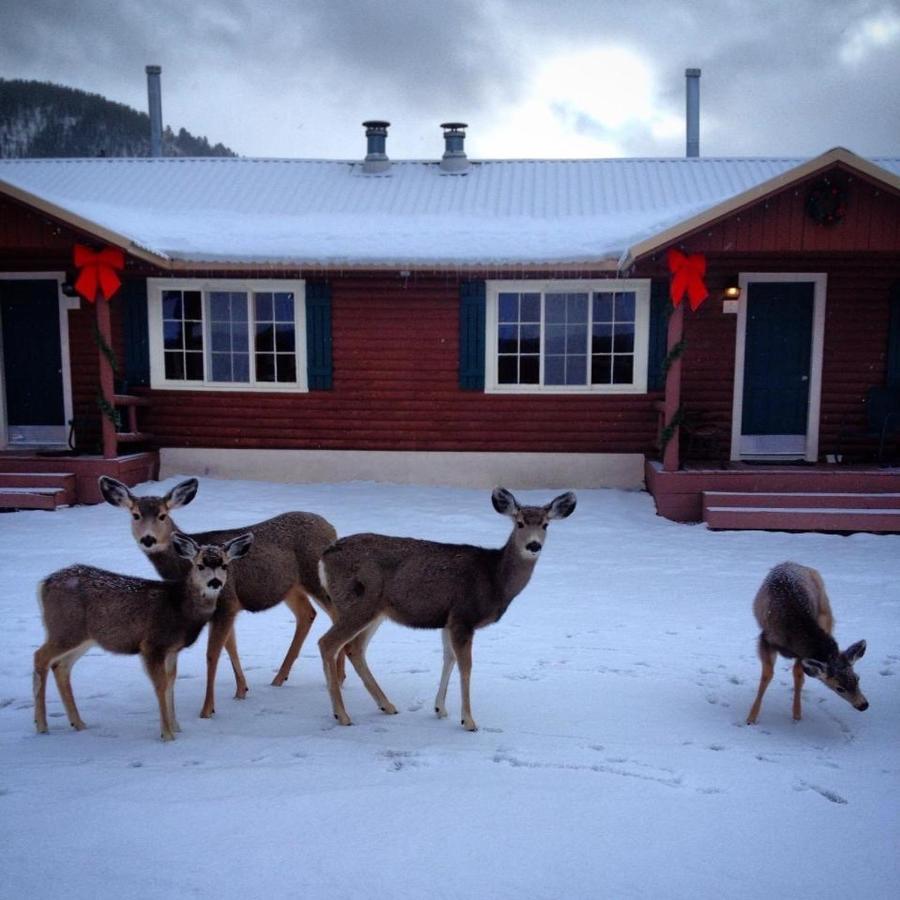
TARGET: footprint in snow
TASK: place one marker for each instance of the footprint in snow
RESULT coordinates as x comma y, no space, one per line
829,795
717,747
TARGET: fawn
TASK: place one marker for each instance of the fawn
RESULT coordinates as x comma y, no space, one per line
83,606
426,584
283,566
793,611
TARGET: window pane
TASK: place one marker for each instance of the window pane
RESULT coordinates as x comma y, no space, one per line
601,369
623,342
555,340
263,307
221,366
174,366
602,339
530,338
531,308
220,337
576,339
576,370
265,367
577,308
284,338
265,338
529,370
603,307
508,370
623,369
625,307
555,308
508,339
284,307
194,366
220,306
508,308
193,336
554,370
173,336
192,305
240,367
171,304
287,367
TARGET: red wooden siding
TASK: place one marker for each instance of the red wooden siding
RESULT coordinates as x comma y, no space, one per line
396,388
780,224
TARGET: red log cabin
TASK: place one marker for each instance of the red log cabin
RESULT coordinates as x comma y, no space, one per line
475,323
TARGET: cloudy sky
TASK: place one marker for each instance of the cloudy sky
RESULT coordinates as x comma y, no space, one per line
532,78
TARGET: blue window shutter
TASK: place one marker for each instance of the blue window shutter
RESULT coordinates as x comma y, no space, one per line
318,335
893,355
136,333
659,327
471,335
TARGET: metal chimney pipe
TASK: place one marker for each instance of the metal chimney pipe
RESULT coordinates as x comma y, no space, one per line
454,160
154,96
693,112
376,160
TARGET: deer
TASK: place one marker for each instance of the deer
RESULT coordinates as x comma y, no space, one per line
83,606
282,567
458,588
794,613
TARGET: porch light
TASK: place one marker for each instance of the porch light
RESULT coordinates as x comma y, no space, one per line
730,296
732,292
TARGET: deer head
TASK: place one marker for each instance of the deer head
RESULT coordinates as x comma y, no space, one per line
531,521
837,674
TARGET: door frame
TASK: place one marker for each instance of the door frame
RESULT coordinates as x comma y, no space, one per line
820,283
64,305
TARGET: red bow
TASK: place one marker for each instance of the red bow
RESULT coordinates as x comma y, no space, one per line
687,276
98,271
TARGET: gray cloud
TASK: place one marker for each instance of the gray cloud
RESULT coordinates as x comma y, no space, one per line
297,78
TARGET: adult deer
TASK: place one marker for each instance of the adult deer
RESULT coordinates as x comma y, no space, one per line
283,566
794,613
425,584
83,606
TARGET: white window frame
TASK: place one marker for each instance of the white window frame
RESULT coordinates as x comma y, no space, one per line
641,289
155,288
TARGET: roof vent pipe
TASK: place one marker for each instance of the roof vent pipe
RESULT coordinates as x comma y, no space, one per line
154,95
454,160
376,137
693,112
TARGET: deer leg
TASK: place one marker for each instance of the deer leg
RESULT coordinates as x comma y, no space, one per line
62,669
462,646
240,682
330,645
356,650
172,674
798,687
155,663
305,614
767,658
220,627
449,661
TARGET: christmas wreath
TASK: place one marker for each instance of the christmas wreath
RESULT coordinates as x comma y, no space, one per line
826,203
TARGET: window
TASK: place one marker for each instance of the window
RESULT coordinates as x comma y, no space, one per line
567,336
227,335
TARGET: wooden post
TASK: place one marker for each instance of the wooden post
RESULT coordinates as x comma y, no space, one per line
107,386
671,454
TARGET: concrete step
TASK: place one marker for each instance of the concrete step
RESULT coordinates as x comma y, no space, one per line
805,499
802,518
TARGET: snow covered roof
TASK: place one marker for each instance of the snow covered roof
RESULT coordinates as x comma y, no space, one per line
179,212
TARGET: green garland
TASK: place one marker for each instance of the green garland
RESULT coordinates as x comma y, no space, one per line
675,353
668,432
109,411
106,350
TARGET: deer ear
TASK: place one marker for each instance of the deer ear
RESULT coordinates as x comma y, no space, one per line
562,506
115,493
504,502
814,668
184,545
855,651
181,494
239,546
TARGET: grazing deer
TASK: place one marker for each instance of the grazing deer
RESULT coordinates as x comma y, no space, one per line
283,566
794,614
83,606
425,584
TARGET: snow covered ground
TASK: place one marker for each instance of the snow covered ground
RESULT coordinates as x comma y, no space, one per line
612,760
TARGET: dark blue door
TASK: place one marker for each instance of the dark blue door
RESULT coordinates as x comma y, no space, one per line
777,354
32,359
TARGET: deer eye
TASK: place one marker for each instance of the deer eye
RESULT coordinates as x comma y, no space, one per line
136,516
544,526
520,524
840,690
162,517
200,566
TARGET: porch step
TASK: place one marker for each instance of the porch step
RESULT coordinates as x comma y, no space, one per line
802,511
36,490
